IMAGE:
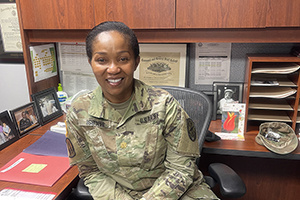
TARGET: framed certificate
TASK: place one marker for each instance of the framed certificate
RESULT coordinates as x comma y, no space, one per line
162,64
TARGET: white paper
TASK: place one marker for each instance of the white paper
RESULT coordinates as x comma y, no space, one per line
10,30
73,58
43,61
212,63
12,194
74,82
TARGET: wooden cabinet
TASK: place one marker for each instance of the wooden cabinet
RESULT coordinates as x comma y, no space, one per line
283,13
51,21
221,14
57,14
137,14
272,90
157,14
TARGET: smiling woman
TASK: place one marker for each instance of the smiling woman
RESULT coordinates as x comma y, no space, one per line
113,63
128,139
114,57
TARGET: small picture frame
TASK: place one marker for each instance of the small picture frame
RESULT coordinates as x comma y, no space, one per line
8,132
47,105
226,92
25,118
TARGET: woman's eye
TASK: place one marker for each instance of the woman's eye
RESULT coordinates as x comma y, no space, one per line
100,60
123,59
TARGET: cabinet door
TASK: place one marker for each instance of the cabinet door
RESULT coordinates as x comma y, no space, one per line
220,13
283,13
137,14
57,14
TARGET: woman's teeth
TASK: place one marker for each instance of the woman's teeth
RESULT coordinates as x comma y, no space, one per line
114,80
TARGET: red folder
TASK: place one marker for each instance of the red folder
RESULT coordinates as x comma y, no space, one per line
34,169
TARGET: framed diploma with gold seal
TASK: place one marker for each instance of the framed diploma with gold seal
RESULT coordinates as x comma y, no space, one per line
162,64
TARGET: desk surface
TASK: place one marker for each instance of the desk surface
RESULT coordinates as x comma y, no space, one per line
62,187
243,148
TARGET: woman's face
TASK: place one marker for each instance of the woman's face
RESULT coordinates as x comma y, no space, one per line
113,64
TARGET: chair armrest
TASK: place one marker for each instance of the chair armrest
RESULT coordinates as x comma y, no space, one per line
231,185
81,191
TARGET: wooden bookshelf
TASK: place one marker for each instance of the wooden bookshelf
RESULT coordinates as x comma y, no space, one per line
268,103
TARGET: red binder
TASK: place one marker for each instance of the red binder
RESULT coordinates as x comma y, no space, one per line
34,169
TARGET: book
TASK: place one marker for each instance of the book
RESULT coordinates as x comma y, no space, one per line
34,169
233,122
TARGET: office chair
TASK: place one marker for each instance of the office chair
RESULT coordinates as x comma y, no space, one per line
199,108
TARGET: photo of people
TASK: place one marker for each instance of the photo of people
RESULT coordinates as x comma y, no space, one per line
226,93
227,98
8,133
47,105
25,118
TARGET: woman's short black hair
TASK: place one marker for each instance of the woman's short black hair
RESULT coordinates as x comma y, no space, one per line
112,26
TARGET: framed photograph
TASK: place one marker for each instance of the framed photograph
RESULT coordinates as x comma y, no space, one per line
162,64
25,118
225,92
8,132
47,105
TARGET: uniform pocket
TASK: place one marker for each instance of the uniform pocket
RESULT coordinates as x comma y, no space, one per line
155,146
99,151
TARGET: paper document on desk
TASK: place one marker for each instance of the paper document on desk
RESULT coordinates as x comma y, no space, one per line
16,194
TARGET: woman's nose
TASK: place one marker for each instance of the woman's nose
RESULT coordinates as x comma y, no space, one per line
113,69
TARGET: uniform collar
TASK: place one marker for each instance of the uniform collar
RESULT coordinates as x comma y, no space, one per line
140,102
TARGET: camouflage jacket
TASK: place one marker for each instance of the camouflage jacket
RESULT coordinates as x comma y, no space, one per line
149,152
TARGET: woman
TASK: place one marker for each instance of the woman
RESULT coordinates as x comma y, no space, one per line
130,140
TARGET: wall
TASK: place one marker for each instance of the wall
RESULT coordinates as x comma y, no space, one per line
239,53
13,86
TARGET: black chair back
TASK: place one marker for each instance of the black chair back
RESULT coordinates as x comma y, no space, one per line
198,107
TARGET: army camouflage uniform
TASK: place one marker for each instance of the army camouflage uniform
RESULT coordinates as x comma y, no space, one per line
146,154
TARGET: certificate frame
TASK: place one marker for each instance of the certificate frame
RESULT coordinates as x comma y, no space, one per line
12,134
25,118
9,57
162,64
47,104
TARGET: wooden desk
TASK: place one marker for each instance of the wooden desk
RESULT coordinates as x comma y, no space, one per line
267,175
249,147
62,187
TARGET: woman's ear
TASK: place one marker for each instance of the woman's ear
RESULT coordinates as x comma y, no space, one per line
137,62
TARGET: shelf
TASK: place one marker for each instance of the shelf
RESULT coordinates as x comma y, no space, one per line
268,115
270,104
298,119
271,92
275,68
282,79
